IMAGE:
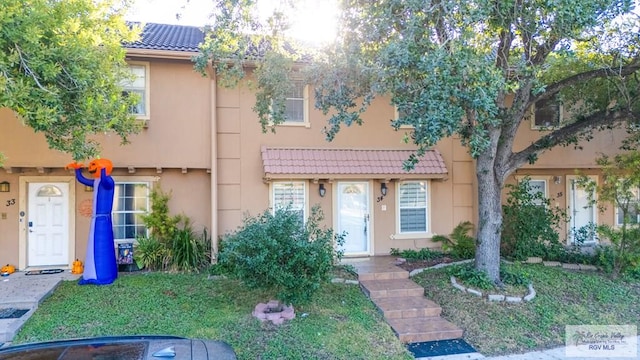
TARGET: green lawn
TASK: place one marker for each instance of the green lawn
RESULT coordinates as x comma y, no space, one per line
563,298
341,323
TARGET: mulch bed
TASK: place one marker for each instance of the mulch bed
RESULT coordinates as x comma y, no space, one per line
413,264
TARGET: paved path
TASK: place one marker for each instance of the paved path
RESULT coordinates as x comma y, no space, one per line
21,291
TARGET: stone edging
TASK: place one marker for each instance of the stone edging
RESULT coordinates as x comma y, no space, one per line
496,297
537,260
344,281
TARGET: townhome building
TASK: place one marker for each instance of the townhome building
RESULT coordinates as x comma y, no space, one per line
202,143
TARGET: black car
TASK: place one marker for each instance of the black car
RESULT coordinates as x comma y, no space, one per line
121,348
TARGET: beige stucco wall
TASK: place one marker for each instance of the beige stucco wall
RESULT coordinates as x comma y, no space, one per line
240,173
175,150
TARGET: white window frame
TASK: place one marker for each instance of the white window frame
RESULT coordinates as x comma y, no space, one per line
617,211
544,179
396,116
146,99
146,180
305,104
427,208
305,189
559,109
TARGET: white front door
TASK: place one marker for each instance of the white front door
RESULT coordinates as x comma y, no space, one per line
582,214
48,224
354,217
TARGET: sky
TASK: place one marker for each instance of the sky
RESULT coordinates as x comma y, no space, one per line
315,22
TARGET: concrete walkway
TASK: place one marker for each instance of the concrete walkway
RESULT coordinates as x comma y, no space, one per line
25,292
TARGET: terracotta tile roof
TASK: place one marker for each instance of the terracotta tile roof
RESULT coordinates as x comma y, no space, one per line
309,162
169,37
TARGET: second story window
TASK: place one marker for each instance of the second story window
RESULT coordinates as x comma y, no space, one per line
546,114
139,85
296,103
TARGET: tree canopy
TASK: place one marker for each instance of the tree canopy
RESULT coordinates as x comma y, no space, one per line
470,68
61,69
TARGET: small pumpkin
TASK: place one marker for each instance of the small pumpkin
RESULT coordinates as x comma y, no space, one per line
9,269
77,268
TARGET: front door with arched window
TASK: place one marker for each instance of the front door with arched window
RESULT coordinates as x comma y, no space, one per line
48,224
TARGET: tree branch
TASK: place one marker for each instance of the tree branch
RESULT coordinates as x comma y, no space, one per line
28,70
555,88
564,135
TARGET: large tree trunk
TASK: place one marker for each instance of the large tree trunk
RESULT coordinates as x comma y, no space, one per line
489,217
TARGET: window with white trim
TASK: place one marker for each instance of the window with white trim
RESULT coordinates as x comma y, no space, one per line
413,210
397,114
633,213
296,103
139,85
130,202
290,194
538,186
546,114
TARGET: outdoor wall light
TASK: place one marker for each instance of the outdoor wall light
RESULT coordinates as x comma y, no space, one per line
5,187
383,189
557,179
88,188
321,190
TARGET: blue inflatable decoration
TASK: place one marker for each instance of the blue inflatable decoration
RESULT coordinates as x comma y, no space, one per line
100,267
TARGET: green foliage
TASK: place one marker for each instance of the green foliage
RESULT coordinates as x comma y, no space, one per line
159,222
61,66
172,244
471,276
563,297
460,244
472,69
275,251
179,305
189,251
619,187
422,254
150,253
515,275
530,223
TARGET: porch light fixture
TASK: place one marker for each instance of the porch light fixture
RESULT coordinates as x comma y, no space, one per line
383,189
88,188
557,179
321,190
5,186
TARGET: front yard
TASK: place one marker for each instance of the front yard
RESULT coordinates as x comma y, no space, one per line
563,298
341,323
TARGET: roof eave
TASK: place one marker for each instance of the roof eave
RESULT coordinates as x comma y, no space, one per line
387,177
161,54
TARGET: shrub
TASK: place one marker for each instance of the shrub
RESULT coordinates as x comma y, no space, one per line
530,224
189,251
460,244
623,254
278,253
161,225
471,276
422,254
150,253
173,242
